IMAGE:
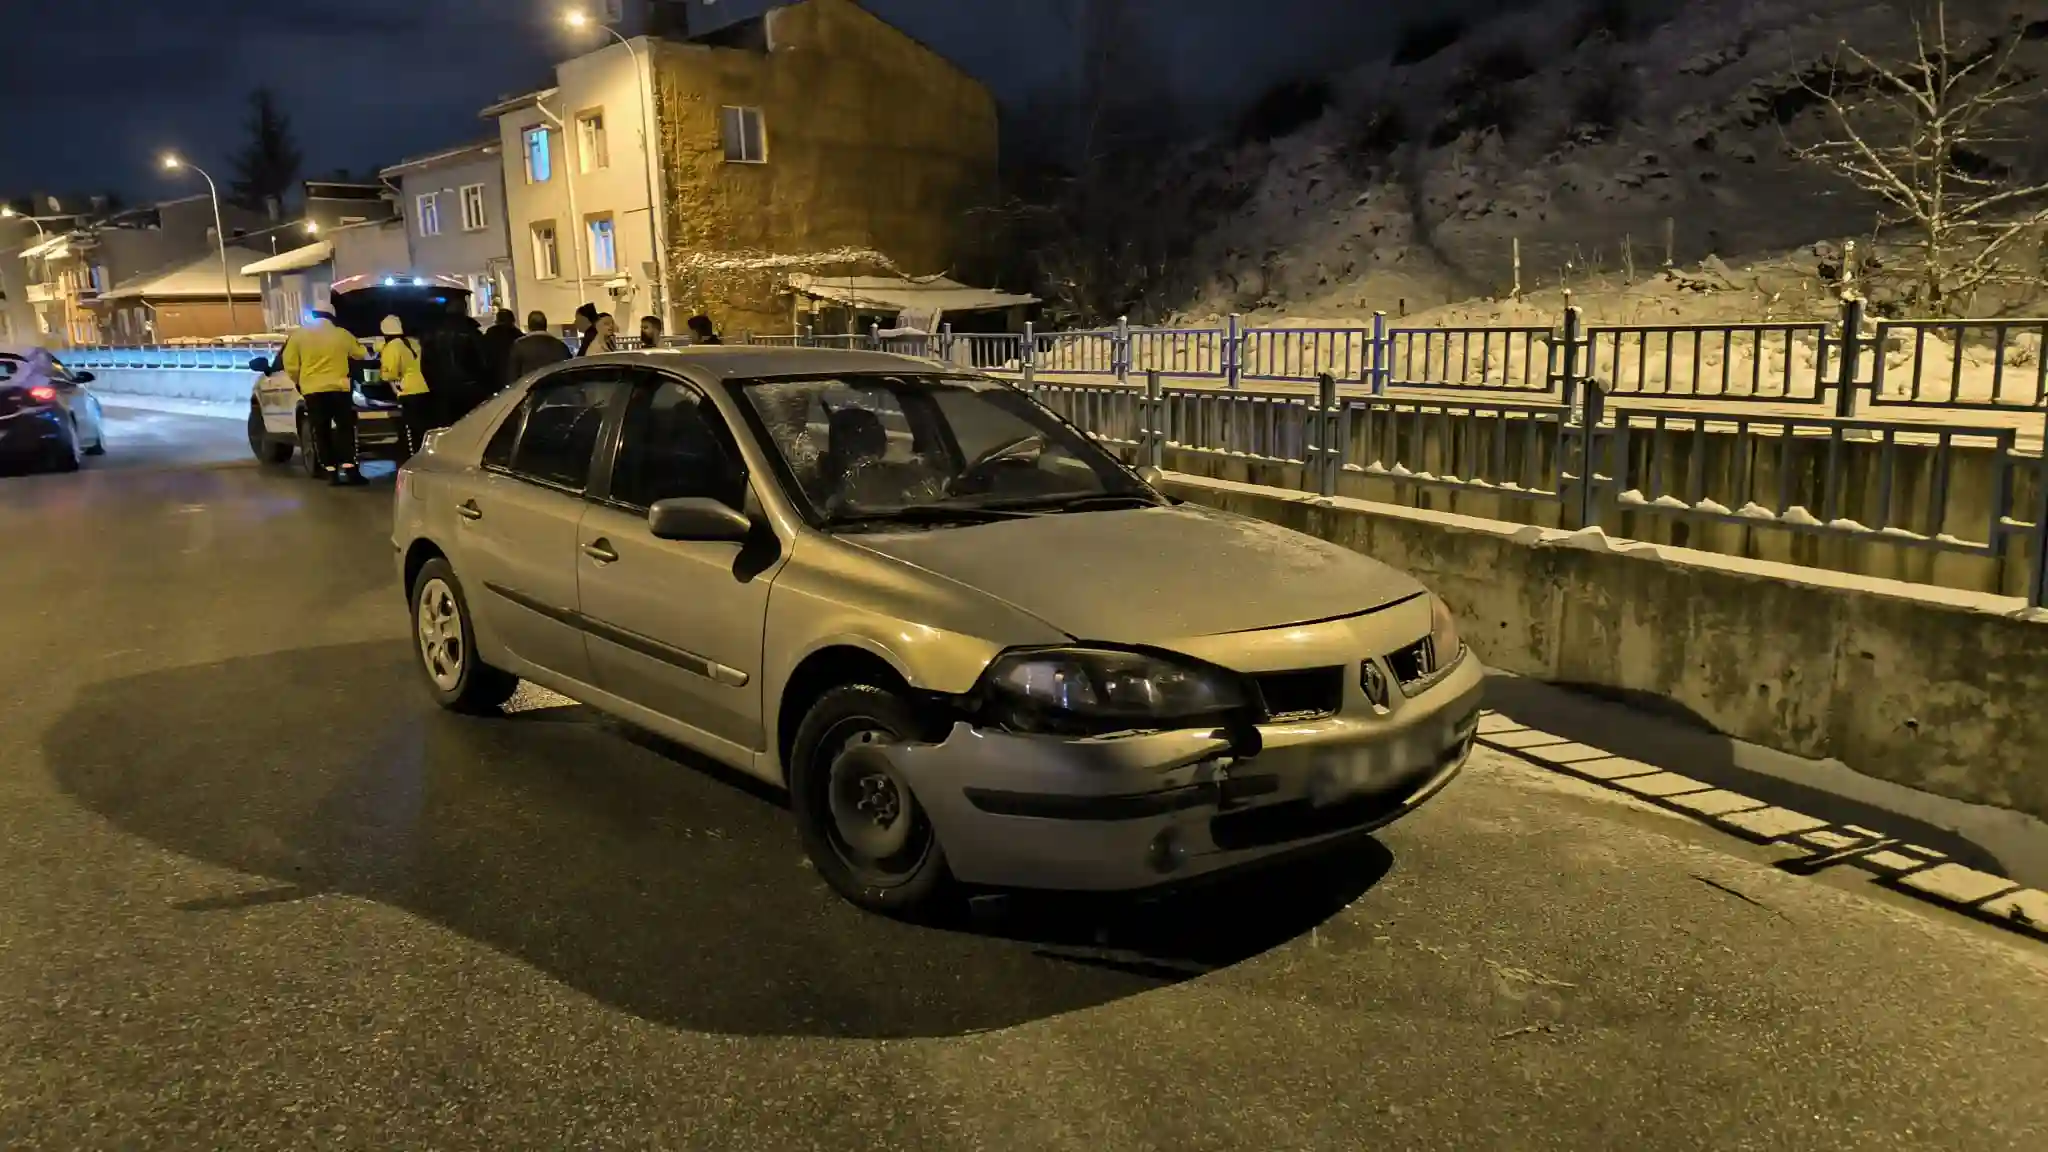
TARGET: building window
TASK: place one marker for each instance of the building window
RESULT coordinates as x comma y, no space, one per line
428,214
539,163
547,260
474,218
746,142
592,151
604,245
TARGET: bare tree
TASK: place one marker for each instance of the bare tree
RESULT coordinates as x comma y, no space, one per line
1090,214
1933,139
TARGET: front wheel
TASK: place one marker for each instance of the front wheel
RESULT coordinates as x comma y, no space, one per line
861,826
444,641
265,449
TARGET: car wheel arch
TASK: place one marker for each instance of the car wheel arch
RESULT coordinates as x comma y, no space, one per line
843,660
417,555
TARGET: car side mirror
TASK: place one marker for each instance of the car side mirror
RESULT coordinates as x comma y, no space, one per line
83,377
698,518
1151,475
260,364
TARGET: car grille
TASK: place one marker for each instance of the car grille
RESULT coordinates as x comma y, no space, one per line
1302,694
1415,663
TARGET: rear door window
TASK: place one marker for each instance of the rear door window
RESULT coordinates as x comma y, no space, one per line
564,419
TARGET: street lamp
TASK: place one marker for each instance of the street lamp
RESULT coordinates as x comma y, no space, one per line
655,230
172,163
7,212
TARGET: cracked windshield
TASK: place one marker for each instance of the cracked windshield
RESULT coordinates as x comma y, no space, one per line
1024,576
877,447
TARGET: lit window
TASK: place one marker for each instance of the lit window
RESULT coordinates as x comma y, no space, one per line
592,152
539,165
547,263
746,142
428,214
474,218
604,246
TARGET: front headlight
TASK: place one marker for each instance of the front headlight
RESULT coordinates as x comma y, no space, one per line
1443,633
1075,690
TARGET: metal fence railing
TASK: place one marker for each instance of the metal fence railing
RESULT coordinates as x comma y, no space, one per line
1921,433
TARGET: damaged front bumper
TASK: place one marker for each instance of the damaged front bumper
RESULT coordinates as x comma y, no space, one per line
1131,812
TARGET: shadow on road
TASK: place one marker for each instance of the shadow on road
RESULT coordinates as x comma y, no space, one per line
1667,735
665,888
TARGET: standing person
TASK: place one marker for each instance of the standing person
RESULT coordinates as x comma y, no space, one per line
535,350
454,366
650,331
604,336
317,359
701,331
400,364
498,341
586,327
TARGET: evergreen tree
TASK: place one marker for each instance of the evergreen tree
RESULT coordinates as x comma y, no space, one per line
268,165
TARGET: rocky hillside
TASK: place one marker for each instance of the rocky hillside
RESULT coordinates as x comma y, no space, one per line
1588,132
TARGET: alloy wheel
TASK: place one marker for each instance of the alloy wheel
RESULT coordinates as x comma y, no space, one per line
443,647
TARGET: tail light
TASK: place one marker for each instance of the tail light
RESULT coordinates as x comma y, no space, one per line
43,394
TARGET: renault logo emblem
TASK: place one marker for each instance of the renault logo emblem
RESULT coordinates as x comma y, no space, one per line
1373,683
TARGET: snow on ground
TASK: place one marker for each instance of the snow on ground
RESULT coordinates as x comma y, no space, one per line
1337,225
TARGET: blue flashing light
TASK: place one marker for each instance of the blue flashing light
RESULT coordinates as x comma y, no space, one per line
419,281
390,280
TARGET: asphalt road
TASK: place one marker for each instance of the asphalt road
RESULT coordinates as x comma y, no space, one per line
259,894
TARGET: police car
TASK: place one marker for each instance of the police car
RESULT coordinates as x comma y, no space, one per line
278,426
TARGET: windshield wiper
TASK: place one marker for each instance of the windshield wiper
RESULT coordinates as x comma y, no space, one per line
1092,502
928,514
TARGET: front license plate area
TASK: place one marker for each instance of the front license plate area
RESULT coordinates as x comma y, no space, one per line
1342,774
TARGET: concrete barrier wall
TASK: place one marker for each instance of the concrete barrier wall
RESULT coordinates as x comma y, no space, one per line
1938,689
225,385
1930,492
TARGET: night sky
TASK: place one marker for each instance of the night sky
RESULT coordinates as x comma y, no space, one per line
105,86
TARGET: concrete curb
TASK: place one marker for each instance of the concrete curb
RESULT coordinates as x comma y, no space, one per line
143,402
1920,872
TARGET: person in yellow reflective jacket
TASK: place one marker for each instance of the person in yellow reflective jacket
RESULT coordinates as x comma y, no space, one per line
317,358
400,363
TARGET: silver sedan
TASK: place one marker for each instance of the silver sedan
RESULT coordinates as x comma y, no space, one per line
973,645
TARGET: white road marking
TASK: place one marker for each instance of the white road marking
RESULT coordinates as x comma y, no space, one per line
1908,868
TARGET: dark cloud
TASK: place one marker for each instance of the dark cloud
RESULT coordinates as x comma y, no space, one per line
101,87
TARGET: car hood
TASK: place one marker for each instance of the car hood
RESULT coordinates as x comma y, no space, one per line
1151,575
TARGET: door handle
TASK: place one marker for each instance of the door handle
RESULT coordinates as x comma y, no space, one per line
469,511
600,550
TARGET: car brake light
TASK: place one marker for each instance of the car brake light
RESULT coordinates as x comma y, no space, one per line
43,394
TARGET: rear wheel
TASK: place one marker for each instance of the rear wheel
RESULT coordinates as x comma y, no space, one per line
309,449
261,444
862,827
444,641
64,454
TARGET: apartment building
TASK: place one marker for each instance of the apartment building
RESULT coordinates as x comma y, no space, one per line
453,205
803,137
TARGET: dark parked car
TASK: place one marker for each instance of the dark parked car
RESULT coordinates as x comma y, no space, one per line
48,417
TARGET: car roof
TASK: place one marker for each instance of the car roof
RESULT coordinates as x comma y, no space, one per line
728,361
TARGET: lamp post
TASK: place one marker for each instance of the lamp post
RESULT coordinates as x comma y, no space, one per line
7,212
172,163
655,229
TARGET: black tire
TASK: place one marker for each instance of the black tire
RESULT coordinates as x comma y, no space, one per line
475,687
64,457
309,449
266,449
911,883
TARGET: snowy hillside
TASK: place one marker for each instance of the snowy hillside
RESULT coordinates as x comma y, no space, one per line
1579,139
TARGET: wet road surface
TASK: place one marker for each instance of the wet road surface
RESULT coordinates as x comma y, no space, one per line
259,894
